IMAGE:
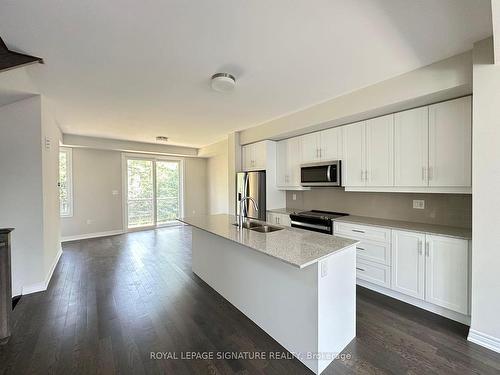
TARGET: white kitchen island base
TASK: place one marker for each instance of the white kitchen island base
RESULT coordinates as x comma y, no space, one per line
310,311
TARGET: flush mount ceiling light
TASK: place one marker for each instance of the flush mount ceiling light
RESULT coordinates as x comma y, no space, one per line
161,138
223,82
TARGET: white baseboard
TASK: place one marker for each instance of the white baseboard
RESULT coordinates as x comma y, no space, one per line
92,235
453,315
484,340
42,286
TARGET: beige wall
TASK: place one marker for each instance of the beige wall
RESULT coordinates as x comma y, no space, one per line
442,209
97,173
195,194
485,192
217,176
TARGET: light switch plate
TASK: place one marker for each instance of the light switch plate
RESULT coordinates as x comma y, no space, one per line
419,204
294,196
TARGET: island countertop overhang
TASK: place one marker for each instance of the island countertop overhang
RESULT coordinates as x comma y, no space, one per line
297,247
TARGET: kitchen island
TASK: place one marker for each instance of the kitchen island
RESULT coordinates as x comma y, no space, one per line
298,286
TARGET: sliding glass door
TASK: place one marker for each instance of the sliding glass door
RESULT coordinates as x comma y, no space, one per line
153,192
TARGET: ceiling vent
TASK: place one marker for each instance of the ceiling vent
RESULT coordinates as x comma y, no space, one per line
11,60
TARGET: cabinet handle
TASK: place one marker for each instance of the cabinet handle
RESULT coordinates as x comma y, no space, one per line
362,175
358,231
426,248
423,173
360,248
430,173
420,247
360,269
366,175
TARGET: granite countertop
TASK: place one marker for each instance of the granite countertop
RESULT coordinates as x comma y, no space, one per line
297,247
442,230
286,211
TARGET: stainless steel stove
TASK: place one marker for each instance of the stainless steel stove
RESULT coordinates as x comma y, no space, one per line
315,220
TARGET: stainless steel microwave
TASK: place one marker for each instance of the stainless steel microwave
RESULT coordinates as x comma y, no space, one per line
326,173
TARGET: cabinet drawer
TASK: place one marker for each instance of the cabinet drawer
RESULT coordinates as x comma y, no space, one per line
363,232
374,273
374,252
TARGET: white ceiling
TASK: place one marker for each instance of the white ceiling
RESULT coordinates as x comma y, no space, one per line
132,70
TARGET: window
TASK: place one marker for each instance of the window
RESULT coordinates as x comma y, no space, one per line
153,191
65,182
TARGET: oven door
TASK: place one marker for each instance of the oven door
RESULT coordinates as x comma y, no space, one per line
321,174
312,225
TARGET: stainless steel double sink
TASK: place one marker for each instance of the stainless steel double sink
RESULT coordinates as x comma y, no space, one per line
259,227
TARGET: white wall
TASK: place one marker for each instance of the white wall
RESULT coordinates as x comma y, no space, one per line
96,173
217,177
51,207
29,199
485,197
439,81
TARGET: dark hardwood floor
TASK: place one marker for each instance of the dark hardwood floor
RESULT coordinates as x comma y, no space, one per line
112,301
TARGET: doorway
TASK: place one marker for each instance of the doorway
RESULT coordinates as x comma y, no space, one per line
153,192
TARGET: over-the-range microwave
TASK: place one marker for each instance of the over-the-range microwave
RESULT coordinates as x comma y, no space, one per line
326,173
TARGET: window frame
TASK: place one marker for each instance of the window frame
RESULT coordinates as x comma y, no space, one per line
69,175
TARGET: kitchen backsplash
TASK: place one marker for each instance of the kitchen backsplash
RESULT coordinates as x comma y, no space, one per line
441,209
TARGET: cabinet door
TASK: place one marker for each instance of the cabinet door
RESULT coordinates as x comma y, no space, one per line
411,141
285,220
310,148
271,218
294,159
447,273
246,157
380,151
331,144
408,263
450,143
353,166
259,155
282,163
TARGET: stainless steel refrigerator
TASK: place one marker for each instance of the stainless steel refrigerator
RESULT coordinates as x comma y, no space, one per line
254,184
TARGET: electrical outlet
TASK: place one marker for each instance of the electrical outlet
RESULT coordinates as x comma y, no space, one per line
324,268
114,192
294,197
419,204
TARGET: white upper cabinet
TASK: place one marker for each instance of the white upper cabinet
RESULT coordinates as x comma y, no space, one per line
408,263
380,151
411,140
254,156
447,270
354,161
288,160
450,126
369,153
322,146
311,147
331,144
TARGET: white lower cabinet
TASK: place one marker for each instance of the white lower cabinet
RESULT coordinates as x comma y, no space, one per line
373,272
277,218
408,263
431,268
446,273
